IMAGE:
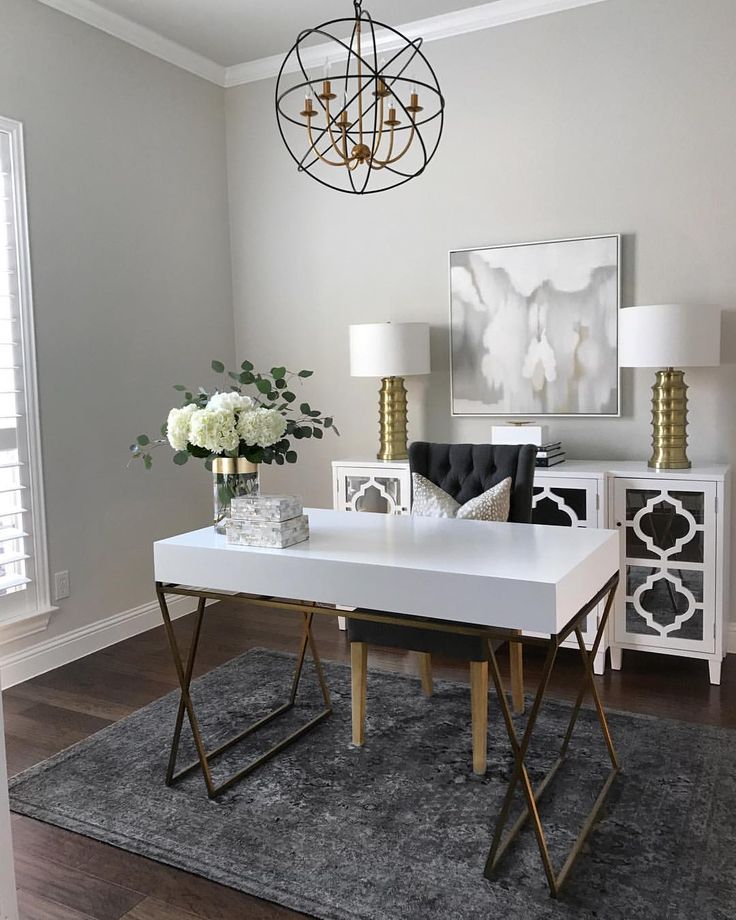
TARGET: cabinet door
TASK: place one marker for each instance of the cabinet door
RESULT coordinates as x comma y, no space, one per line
561,501
565,502
668,556
363,489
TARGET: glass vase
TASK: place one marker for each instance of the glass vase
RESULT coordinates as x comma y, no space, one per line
231,478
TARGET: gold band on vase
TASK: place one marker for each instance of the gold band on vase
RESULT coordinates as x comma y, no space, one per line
228,466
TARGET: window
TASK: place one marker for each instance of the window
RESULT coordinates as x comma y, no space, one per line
24,584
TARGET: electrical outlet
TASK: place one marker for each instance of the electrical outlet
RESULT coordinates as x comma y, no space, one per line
61,585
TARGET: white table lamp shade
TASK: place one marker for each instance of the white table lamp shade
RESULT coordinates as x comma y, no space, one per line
670,335
389,349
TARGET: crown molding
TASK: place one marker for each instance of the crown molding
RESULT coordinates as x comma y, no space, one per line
447,25
140,37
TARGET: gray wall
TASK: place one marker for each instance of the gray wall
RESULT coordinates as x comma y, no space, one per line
127,190
617,117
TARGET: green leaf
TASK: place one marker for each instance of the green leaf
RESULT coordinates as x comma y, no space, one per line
305,373
143,440
291,456
278,373
181,457
306,432
298,434
218,367
164,429
328,422
147,461
246,378
263,386
305,408
314,414
336,431
246,366
208,465
179,387
317,433
288,396
201,453
233,376
280,459
273,395
280,384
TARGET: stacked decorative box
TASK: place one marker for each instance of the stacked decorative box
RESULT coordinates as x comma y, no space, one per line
267,520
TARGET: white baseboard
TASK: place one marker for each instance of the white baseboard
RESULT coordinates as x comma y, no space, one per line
731,648
61,650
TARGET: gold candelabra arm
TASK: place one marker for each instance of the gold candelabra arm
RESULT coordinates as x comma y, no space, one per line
313,146
390,159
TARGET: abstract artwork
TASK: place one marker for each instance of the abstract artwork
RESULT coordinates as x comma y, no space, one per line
534,328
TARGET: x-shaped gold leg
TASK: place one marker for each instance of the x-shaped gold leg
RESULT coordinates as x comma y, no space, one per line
520,748
186,707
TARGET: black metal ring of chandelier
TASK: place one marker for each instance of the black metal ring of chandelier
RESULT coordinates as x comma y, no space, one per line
363,73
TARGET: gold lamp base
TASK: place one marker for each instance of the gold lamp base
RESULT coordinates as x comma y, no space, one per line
669,421
392,419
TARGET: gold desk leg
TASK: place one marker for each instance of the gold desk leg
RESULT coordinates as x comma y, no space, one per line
499,844
187,680
184,674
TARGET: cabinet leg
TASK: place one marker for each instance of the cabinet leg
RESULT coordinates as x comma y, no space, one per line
714,666
616,658
599,663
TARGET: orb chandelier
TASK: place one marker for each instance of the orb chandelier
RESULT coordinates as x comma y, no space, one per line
377,123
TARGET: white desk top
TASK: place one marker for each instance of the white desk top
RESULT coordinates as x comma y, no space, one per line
518,576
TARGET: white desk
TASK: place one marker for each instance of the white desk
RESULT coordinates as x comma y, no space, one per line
489,579
510,576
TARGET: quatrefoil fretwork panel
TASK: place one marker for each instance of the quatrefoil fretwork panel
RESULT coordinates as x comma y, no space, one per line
664,525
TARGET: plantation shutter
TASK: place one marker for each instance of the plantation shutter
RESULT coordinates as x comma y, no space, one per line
19,449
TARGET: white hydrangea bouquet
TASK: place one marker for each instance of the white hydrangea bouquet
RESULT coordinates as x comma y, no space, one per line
226,424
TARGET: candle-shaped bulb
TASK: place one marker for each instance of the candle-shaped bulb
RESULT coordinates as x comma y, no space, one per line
344,112
328,68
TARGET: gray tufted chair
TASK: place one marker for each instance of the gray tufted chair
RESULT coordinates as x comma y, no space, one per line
464,471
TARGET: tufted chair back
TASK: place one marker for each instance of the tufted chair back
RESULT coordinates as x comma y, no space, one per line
465,471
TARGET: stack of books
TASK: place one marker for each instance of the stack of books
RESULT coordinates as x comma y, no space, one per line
550,454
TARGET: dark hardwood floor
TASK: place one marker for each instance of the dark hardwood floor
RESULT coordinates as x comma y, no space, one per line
63,876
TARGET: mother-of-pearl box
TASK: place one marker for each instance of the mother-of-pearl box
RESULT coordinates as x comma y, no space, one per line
276,534
266,508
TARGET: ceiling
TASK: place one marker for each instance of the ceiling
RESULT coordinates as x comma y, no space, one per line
233,31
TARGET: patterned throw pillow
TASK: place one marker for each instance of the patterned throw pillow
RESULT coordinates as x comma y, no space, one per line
431,501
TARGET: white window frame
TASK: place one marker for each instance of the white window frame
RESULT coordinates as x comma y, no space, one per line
34,616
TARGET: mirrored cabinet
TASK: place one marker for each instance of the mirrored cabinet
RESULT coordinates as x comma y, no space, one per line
673,537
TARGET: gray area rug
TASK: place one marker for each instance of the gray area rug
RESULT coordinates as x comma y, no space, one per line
400,829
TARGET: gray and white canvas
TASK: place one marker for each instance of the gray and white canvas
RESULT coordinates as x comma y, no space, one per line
534,328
